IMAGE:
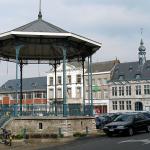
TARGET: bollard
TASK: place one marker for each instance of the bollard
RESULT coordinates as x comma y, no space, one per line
87,130
24,133
59,132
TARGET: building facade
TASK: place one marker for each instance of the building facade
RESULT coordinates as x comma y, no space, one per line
101,74
130,85
34,96
74,82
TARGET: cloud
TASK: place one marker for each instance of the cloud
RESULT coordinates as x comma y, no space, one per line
115,23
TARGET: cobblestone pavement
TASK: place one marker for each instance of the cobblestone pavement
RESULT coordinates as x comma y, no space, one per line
34,144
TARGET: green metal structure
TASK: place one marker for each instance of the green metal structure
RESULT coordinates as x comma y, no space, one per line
41,42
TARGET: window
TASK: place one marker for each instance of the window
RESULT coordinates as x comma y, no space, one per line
99,81
137,76
78,94
128,105
51,81
29,95
79,78
40,125
24,96
121,91
114,103
121,105
87,81
138,89
104,81
87,94
93,81
94,95
69,79
13,96
59,93
38,94
69,93
44,95
99,94
59,79
121,77
128,90
51,93
114,91
105,94
130,68
147,89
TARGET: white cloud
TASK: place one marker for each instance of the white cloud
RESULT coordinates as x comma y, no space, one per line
115,23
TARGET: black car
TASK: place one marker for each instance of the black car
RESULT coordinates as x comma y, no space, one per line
127,123
146,114
102,120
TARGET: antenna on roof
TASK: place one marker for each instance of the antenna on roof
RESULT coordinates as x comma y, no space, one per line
40,14
141,29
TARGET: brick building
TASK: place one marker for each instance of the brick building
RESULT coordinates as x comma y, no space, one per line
34,95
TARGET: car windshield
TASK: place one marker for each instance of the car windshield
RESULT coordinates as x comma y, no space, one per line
124,118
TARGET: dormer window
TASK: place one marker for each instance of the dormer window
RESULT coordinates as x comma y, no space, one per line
4,87
34,84
130,68
137,76
121,77
148,67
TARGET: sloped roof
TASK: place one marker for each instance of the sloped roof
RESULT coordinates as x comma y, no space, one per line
40,25
45,42
29,84
103,66
130,70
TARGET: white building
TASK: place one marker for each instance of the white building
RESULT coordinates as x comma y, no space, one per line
101,74
130,85
74,87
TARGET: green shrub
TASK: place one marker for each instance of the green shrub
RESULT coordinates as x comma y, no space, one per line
79,134
54,136
61,135
19,136
35,135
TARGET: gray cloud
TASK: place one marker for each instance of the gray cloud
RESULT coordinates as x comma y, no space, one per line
115,23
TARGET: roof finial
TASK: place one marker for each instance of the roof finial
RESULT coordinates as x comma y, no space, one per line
141,31
141,36
40,14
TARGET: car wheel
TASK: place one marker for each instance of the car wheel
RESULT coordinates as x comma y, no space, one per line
148,129
130,132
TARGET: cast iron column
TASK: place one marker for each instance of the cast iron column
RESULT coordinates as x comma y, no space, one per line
55,68
89,89
21,94
91,86
65,113
17,62
83,87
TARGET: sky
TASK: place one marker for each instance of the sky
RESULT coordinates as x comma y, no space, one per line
114,23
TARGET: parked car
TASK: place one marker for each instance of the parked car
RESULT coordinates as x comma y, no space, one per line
146,114
127,123
102,120
114,116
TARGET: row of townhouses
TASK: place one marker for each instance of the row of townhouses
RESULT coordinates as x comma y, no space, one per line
117,87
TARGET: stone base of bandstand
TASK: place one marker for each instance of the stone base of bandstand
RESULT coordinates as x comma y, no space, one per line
51,125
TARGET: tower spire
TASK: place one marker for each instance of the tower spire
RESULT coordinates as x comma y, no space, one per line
40,13
142,49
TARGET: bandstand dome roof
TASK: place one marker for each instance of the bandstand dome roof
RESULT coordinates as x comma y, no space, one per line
43,41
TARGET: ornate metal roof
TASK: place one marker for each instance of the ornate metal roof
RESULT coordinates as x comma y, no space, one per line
43,42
